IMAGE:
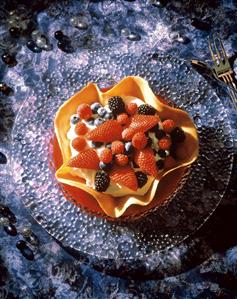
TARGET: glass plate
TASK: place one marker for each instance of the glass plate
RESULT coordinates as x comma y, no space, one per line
168,225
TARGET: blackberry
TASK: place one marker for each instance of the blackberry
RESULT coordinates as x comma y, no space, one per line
160,164
177,135
116,105
141,178
96,144
161,153
102,181
146,109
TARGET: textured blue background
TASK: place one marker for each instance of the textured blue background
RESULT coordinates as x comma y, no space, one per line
209,259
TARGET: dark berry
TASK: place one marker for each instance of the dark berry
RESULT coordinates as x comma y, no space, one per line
155,128
98,121
129,149
160,164
161,153
27,253
101,111
5,89
105,166
102,181
20,244
108,116
90,121
9,59
10,230
96,144
177,135
15,32
141,178
58,35
146,109
116,105
160,133
94,107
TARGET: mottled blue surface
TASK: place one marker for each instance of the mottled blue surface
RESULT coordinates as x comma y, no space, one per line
208,260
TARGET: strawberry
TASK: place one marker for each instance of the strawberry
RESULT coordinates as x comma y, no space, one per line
109,131
139,140
145,159
117,147
168,125
86,159
164,143
142,123
79,143
106,155
81,128
122,119
131,108
84,111
121,160
124,175
127,134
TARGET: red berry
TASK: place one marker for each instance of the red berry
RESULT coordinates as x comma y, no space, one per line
106,155
169,162
122,119
168,125
84,111
121,160
164,143
81,128
139,140
117,147
79,143
127,134
131,108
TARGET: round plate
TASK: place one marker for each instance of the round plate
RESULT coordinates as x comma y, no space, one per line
131,243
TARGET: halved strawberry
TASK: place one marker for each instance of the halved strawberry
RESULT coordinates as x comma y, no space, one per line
86,159
124,175
145,159
109,131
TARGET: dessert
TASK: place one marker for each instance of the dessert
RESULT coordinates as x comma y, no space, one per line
119,144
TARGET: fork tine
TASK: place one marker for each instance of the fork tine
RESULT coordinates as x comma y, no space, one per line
222,49
210,45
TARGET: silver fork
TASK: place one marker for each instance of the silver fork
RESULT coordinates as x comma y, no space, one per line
222,68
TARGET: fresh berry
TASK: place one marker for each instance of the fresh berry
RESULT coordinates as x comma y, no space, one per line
81,128
105,166
102,181
98,122
79,143
142,123
146,109
129,149
168,125
96,144
127,134
106,155
139,140
86,159
177,135
74,119
169,162
117,147
122,119
164,143
108,116
109,131
125,176
116,105
145,159
121,160
160,164
161,153
141,178
90,121
131,108
84,111
95,106
160,134
101,111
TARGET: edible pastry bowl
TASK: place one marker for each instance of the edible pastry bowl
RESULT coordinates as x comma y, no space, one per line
162,186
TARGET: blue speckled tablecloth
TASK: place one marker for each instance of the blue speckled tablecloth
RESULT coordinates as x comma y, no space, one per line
204,266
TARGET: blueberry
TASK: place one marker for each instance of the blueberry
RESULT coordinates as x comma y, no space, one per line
94,107
98,122
161,153
96,144
129,149
160,164
105,166
108,116
101,111
74,119
90,121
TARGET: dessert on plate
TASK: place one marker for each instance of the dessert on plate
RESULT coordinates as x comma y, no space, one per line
117,145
